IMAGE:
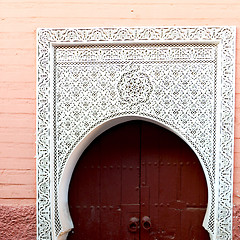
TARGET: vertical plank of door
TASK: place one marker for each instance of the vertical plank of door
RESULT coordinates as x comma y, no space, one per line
192,228
169,167
194,193
84,195
149,176
130,159
171,152
110,184
198,181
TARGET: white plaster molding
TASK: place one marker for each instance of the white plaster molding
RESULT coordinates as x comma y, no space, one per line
90,79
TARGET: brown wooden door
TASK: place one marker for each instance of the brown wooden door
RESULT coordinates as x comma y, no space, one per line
138,171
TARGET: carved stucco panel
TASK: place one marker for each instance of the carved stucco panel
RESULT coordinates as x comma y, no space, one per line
182,78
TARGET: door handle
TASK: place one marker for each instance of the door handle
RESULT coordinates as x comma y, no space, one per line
133,225
146,223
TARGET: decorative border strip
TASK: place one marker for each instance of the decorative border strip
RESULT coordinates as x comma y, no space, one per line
224,36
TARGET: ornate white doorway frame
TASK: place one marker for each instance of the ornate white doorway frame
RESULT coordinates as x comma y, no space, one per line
90,79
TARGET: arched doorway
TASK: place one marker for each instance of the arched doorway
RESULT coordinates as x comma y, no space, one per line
138,181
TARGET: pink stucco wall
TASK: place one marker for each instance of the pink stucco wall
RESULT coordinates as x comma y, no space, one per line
18,23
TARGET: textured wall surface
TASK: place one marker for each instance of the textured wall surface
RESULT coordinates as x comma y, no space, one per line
19,20
17,222
236,222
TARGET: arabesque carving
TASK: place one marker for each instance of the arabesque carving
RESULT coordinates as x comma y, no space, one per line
180,77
